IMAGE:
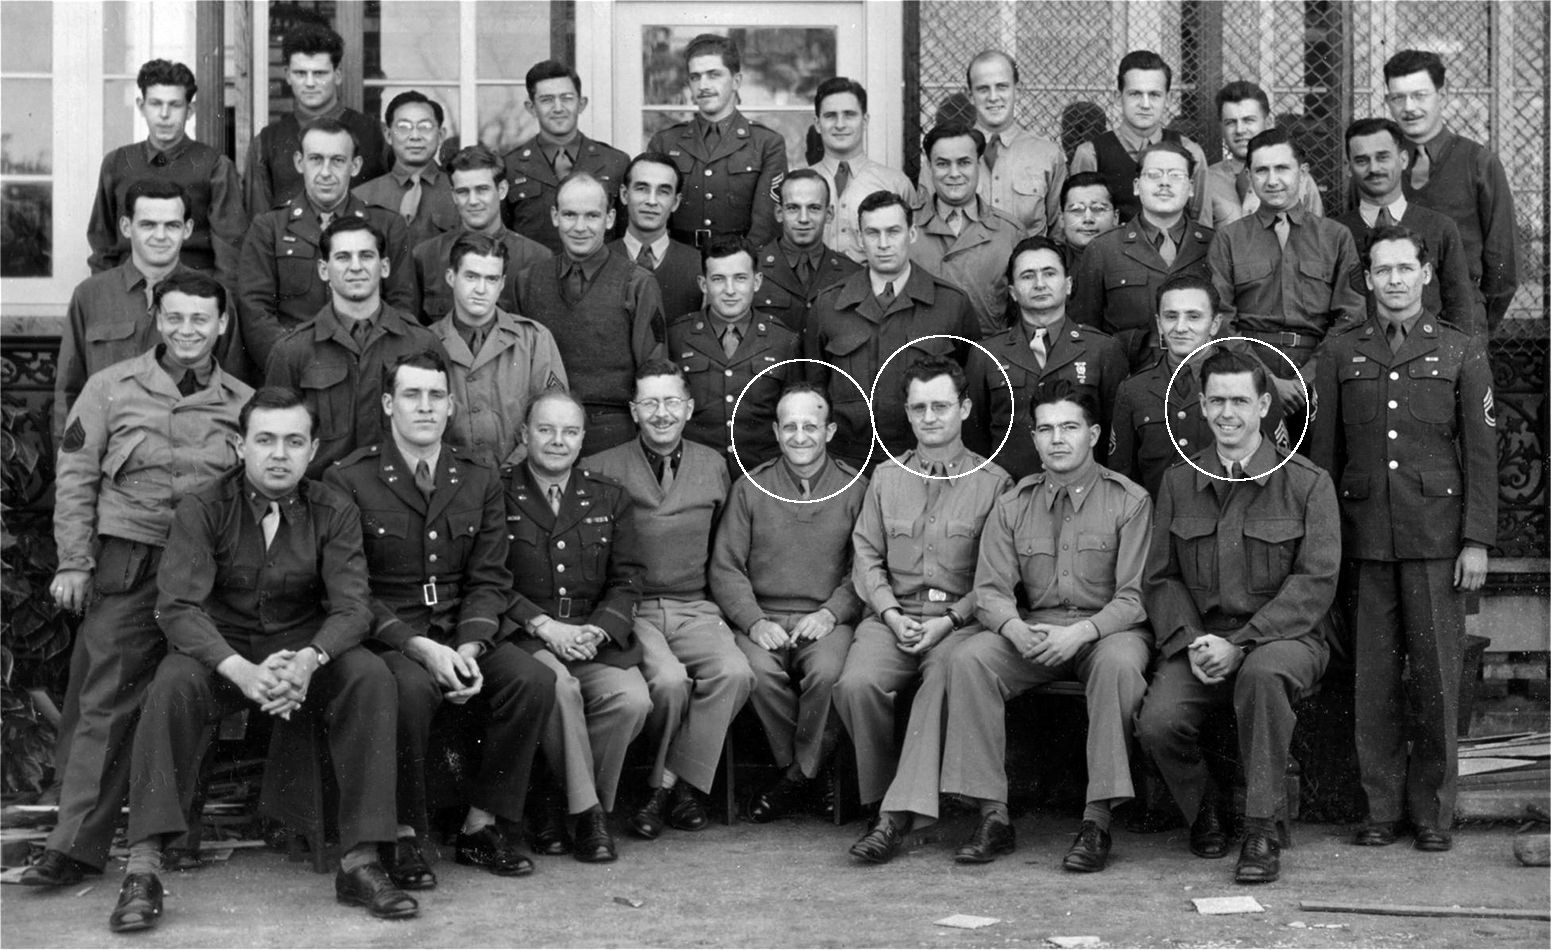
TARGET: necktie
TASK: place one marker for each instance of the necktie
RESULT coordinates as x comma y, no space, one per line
270,523
667,475
1167,249
887,297
993,149
359,331
731,337
805,269
188,385
713,135
476,341
574,285
1039,345
553,492
842,179
1385,220
159,160
807,489
563,163
647,258
1397,336
1282,229
411,201
934,485
325,219
956,222
1421,168
423,478
1235,470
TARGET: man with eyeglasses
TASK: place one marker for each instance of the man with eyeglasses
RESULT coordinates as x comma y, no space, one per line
416,188
798,264
1460,178
1116,283
840,105
1244,111
697,676
1087,211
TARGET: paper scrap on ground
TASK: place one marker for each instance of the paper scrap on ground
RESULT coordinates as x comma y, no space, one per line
1227,905
629,901
966,921
1072,942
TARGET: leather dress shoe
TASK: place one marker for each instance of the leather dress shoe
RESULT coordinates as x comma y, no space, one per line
488,848
1432,839
1089,851
1208,835
181,859
548,836
54,869
593,843
880,844
776,800
409,868
139,903
1259,859
991,837
370,887
1375,834
648,821
687,811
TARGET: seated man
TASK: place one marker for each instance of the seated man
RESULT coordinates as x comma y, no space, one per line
435,535
697,676
781,572
1059,590
914,569
268,606
578,579
1241,575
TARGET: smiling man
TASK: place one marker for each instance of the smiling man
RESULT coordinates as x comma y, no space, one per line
1021,173
1087,210
651,192
840,106
798,264
1244,112
415,188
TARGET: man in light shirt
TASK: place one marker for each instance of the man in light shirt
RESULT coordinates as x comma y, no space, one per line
841,107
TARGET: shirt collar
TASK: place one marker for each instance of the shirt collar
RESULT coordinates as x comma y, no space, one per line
1135,143
830,166
956,464
898,281
1257,465
431,460
202,373
590,265
1151,231
428,174
170,155
258,502
795,254
1052,332
1267,216
1008,135
1444,136
971,211
659,246
655,457
542,482
1370,211
1078,484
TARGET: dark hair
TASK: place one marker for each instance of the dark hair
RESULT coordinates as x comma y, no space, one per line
661,367
709,44
347,224
984,56
726,246
834,86
328,126
155,189
409,98
1409,61
1084,180
1172,148
879,200
550,69
1396,232
1147,61
805,174
162,72
310,39
1226,362
192,283
1273,136
473,158
1188,281
1239,91
276,397
1064,390
1036,243
953,130
482,245
929,368
1373,126
550,394
801,387
655,158
423,359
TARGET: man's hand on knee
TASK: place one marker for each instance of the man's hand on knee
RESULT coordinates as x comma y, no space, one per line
769,635
1061,644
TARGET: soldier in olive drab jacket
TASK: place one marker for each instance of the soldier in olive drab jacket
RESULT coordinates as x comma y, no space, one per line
798,264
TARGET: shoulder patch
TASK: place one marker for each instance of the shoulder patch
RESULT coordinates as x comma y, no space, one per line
75,437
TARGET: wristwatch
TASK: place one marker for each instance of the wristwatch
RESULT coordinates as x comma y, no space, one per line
955,619
323,657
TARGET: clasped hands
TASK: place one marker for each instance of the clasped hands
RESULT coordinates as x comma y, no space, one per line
916,636
572,642
1048,644
1213,659
771,636
278,683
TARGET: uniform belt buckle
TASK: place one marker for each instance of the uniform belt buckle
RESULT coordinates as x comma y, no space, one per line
936,596
428,593
565,608
702,237
1289,339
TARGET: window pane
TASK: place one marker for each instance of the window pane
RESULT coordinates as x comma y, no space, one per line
27,123
118,112
791,126
503,122
411,40
513,35
782,66
26,28
29,223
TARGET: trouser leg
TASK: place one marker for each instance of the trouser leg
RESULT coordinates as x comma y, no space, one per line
183,699
518,700
722,682
985,673
819,664
773,697
1434,621
1169,729
875,671
1268,682
667,682
916,779
1113,671
356,693
419,696
1379,713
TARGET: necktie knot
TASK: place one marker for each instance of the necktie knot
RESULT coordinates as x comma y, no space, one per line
270,523
1421,168
1283,228
562,163
993,149
887,297
1396,333
410,204
1167,248
647,258
1385,220
807,489
1039,345
842,179
731,337
553,493
359,331
423,478
189,384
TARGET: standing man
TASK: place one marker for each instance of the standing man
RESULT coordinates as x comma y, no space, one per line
732,167
1244,112
280,283
799,264
857,323
337,359
604,312
840,104
1040,348
1087,210
1246,546
1021,173
415,188
144,433
794,615
1458,177
577,572
267,609
535,169
962,238
651,191
1376,153
434,526
311,54
914,569
208,179
1058,589
722,348
697,675
1144,80
1117,282
497,360
1418,513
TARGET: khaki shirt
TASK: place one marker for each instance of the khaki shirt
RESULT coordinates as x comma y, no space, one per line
843,231
974,260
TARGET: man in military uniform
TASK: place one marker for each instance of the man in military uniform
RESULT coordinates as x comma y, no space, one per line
1158,418
1059,590
496,359
857,323
338,357
279,283
311,54
1246,546
732,167
1087,211
1116,284
535,169
1418,513
434,526
840,104
913,566
722,348
794,614
144,433
652,188
1041,348
478,181
1244,112
798,264
415,188
577,573
1021,173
